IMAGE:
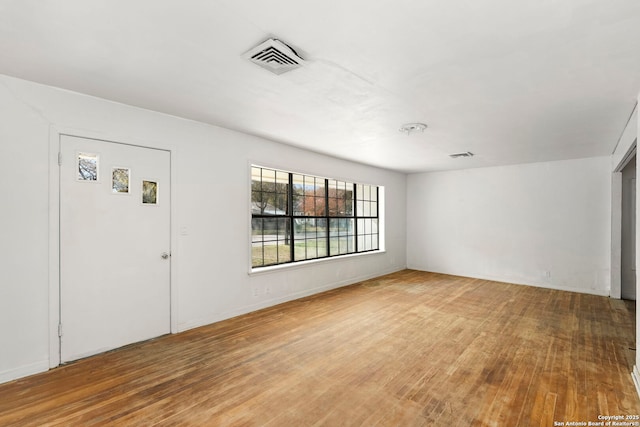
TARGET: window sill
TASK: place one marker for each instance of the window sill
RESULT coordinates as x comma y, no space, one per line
303,264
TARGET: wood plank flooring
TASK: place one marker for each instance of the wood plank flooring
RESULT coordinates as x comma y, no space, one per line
407,349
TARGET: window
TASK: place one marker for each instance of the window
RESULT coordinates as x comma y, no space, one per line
296,217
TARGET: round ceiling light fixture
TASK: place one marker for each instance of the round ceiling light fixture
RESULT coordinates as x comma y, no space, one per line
409,128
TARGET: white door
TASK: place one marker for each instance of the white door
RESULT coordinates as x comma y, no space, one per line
114,245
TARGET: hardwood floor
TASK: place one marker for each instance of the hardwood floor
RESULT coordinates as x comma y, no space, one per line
407,349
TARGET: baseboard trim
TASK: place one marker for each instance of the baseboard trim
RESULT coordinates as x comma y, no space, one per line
282,299
518,281
24,371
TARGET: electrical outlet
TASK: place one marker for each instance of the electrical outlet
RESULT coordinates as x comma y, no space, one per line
267,290
256,292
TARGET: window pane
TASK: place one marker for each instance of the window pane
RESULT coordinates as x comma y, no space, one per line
270,252
256,254
256,230
281,204
284,240
309,248
347,226
269,178
309,196
284,253
348,199
340,198
321,244
321,227
334,227
344,249
367,234
312,251
374,209
298,183
367,209
264,200
333,198
298,205
342,239
256,191
336,206
256,202
282,182
320,190
367,242
333,245
300,250
299,228
269,228
310,228
333,236
340,206
269,205
283,229
256,176
320,206
301,194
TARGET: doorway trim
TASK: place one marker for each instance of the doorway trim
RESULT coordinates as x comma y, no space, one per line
616,221
55,135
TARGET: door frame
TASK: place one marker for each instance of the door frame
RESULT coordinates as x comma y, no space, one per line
55,136
616,222
631,194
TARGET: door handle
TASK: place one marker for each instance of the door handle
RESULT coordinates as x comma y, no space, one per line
165,255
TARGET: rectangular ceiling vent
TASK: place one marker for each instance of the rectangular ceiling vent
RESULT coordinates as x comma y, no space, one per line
275,56
458,155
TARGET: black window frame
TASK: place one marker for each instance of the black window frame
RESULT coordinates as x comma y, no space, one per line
329,218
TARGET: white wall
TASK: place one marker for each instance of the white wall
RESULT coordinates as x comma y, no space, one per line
542,224
210,216
24,169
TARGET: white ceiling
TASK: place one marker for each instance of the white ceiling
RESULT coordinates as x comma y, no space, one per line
511,81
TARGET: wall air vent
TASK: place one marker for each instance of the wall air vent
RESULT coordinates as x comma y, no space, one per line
458,155
275,56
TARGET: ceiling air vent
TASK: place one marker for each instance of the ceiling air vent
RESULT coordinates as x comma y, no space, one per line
458,155
275,56
409,128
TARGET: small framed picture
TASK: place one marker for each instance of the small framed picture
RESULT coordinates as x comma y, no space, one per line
88,167
149,192
120,180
